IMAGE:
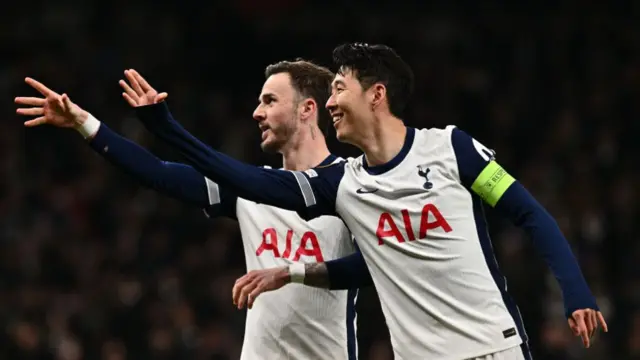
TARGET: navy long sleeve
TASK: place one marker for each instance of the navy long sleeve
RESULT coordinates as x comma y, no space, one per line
525,212
268,186
476,165
179,181
349,272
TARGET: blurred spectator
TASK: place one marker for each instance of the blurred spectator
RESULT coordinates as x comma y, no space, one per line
95,267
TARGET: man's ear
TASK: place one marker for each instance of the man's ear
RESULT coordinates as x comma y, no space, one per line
307,109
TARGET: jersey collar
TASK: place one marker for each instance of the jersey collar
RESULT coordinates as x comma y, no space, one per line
328,161
381,169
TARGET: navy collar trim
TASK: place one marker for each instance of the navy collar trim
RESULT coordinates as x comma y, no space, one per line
328,161
381,169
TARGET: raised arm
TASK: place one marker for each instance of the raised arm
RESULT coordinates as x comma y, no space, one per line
349,272
310,195
483,176
179,181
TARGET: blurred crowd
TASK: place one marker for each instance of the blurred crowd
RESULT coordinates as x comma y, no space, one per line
92,266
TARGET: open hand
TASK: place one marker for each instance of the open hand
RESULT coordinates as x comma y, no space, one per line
584,323
53,108
138,92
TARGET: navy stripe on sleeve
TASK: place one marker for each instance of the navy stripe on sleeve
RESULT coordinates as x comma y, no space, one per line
277,188
176,180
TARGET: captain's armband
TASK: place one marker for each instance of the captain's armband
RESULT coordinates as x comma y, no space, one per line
492,183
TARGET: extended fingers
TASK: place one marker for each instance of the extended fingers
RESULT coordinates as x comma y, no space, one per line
592,322
132,95
129,99
35,122
140,80
39,87
581,326
30,111
34,101
574,327
134,82
160,97
600,318
585,322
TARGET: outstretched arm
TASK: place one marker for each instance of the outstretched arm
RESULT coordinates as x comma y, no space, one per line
285,189
484,177
309,195
179,181
176,180
349,272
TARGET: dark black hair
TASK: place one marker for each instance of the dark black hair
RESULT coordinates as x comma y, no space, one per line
309,80
372,64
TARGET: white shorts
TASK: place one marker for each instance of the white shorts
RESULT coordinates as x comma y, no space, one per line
514,353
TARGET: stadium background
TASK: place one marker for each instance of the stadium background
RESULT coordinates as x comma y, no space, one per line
93,266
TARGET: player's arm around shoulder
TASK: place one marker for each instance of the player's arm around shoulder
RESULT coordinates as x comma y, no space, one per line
482,175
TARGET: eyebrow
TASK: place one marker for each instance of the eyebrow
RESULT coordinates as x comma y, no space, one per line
338,82
266,95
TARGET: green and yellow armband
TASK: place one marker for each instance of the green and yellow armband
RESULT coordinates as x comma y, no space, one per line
492,183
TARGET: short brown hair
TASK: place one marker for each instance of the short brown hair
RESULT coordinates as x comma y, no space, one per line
309,80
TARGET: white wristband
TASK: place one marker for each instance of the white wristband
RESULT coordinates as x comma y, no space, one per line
89,127
297,272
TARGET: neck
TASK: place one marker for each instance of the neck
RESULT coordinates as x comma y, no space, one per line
307,151
383,140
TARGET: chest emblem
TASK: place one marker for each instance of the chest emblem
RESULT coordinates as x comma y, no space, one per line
424,173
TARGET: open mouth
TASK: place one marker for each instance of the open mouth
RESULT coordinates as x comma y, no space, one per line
336,118
265,130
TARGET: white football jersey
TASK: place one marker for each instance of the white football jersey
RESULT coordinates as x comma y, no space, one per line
419,223
424,238
295,322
